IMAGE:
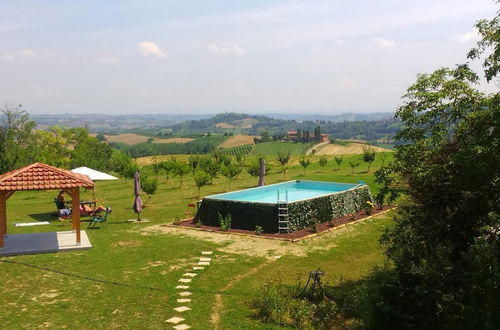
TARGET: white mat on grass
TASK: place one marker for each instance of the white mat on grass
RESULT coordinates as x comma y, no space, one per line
28,224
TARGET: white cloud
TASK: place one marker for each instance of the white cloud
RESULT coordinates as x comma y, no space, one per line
19,56
382,42
107,60
468,37
225,50
148,48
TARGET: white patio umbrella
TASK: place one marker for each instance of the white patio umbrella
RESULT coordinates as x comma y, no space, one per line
94,175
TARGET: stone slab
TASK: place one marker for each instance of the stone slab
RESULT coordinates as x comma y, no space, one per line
60,241
184,293
203,263
175,320
205,259
181,309
189,274
206,252
198,268
185,280
182,327
183,287
183,300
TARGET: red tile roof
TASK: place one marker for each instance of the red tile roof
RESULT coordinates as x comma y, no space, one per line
40,176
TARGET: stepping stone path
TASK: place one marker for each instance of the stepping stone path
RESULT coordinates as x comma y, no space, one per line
202,261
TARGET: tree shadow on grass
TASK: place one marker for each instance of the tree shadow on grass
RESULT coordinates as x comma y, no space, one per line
50,217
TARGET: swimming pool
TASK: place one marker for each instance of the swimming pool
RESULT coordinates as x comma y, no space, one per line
291,191
303,201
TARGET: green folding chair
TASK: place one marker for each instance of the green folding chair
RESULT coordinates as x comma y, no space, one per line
99,218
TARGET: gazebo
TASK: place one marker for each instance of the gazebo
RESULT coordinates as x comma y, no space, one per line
40,176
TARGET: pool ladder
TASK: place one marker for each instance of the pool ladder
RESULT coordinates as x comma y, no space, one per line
283,222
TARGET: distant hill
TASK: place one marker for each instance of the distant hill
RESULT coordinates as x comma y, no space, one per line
382,128
336,117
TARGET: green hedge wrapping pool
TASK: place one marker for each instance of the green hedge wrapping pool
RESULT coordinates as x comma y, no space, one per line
248,215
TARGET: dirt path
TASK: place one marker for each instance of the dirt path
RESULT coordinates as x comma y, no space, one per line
254,246
218,304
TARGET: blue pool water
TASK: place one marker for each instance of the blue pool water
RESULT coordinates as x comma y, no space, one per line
296,190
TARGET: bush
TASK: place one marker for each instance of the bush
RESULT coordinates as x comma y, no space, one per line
224,222
149,185
275,303
259,230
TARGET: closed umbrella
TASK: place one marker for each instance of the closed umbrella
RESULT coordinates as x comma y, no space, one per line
137,193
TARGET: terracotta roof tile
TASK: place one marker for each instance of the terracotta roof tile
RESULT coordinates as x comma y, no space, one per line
40,176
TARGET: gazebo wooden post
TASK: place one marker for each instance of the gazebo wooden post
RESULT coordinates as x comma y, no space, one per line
4,195
75,214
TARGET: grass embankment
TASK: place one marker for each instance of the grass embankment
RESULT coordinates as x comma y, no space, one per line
130,254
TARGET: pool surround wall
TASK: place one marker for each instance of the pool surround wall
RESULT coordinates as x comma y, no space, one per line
247,215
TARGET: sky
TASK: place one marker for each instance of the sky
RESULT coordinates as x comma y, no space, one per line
208,56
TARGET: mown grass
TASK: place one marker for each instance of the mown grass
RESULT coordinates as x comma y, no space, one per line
125,253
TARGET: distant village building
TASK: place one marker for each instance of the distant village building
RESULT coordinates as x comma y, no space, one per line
293,136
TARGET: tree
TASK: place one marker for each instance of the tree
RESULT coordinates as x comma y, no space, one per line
240,161
101,137
353,165
283,159
323,161
149,185
168,166
368,155
339,160
304,162
201,178
16,137
181,169
230,171
209,165
92,153
445,244
194,161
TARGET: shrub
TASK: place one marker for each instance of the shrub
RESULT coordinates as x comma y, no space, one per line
313,225
149,185
224,222
259,230
323,161
275,303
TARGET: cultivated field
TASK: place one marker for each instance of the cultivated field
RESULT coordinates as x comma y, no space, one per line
348,149
237,140
272,148
132,138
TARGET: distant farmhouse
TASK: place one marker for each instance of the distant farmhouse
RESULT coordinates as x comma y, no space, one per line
306,136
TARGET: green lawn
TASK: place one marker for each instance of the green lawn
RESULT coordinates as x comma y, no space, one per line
130,254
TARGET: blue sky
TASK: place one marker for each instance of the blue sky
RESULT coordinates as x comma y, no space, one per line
254,56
